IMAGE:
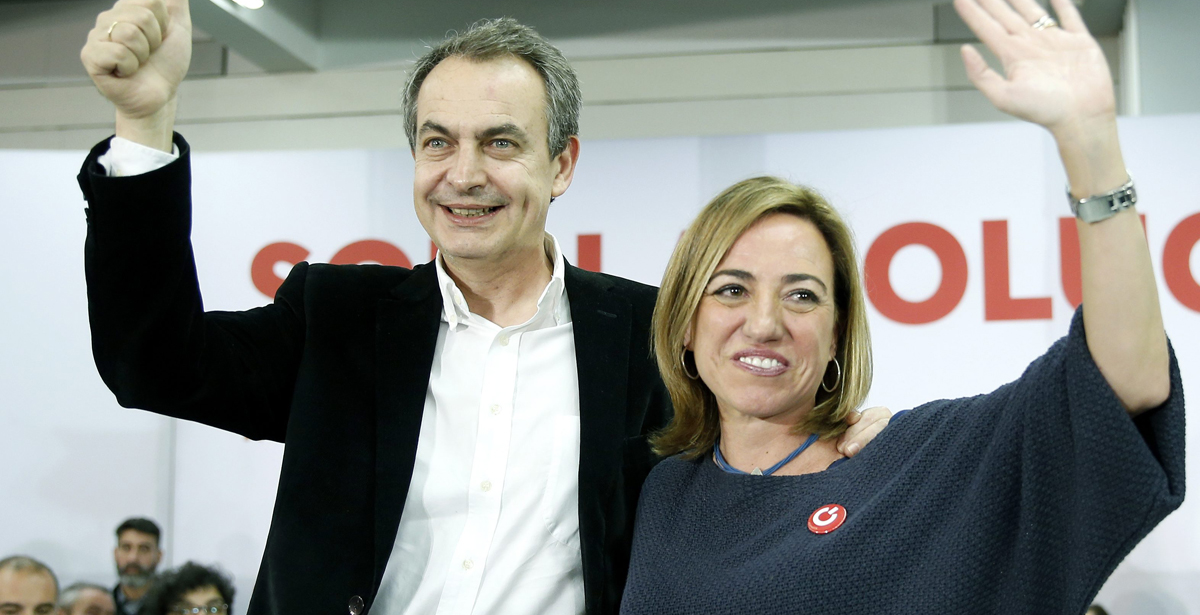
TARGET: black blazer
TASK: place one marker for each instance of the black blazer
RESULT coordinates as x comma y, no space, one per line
337,368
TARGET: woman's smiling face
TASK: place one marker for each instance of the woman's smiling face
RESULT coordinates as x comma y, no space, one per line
765,329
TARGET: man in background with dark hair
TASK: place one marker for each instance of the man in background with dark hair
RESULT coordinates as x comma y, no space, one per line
137,556
86,599
27,587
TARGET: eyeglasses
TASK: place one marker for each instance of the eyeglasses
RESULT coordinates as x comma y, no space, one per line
216,609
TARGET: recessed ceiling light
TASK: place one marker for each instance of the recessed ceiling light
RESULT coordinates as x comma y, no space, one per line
251,4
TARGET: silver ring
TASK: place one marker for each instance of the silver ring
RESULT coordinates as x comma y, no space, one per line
1043,22
110,29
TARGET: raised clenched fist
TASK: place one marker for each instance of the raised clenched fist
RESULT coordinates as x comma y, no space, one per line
137,55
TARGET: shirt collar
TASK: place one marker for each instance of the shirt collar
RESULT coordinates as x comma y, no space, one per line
552,304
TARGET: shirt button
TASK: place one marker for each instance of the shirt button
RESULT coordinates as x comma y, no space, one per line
467,564
486,485
503,339
495,408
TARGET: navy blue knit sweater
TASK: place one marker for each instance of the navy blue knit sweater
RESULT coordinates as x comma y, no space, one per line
1023,500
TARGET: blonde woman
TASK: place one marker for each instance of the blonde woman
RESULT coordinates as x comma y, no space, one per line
1022,500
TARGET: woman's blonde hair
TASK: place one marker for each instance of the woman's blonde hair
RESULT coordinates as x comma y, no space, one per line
696,425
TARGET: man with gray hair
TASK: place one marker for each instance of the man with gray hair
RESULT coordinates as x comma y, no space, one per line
469,435
27,587
84,598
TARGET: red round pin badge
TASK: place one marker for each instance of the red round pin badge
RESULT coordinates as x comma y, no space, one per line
827,518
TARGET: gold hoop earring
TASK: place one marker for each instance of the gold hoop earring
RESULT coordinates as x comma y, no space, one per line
683,363
835,382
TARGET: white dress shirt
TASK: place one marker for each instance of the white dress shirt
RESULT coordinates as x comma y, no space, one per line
491,522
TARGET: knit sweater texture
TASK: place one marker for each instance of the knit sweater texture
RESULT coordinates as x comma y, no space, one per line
1022,500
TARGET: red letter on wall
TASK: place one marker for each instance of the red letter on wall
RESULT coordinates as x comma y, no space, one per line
1177,267
262,268
954,273
998,303
588,248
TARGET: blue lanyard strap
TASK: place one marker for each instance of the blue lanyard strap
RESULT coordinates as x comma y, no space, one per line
724,465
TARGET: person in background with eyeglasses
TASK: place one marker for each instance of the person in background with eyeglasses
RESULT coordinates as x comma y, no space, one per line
190,589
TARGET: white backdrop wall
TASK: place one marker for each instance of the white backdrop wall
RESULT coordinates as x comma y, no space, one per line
76,464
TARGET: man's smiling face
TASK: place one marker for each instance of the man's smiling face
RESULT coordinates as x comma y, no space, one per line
484,175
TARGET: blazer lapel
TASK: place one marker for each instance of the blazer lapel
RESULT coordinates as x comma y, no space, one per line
405,340
602,323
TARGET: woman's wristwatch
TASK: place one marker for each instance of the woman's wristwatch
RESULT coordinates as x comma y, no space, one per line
1103,206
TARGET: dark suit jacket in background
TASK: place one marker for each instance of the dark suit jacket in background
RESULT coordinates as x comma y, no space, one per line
337,368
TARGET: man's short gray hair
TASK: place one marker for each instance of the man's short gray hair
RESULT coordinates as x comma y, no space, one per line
27,565
489,39
68,597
